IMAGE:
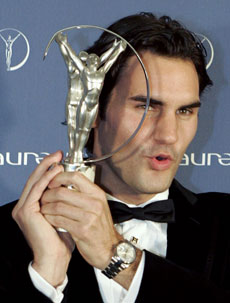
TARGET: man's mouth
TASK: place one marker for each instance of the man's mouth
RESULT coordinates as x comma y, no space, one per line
161,162
161,158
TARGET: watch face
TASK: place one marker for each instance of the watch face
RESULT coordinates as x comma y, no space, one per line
126,252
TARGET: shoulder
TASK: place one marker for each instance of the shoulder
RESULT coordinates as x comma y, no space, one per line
8,227
15,252
210,203
178,189
6,214
216,196
10,233
214,204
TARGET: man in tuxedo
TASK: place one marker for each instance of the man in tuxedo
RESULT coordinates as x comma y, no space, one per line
147,247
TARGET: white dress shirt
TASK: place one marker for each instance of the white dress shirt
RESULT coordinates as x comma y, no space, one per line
151,236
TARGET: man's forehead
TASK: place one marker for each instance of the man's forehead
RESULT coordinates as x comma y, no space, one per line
168,78
157,66
148,61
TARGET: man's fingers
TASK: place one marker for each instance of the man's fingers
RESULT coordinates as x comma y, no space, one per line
39,187
77,230
67,211
88,203
40,170
76,179
65,195
45,165
60,222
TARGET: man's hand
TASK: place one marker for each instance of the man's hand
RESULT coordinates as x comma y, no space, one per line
84,213
51,253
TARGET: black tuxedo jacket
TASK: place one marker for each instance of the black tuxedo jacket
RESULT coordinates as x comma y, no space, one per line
196,268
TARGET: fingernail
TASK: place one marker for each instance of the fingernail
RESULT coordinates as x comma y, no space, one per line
52,166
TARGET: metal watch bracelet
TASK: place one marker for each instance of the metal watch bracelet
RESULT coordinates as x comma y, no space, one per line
115,266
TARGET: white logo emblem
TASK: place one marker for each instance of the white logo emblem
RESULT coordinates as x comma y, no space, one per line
13,37
209,48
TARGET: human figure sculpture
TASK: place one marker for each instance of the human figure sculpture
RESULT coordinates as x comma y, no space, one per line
9,44
75,91
89,72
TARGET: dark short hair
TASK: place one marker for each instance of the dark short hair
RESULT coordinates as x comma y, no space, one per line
145,32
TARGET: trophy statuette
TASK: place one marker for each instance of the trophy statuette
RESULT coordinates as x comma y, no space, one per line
86,73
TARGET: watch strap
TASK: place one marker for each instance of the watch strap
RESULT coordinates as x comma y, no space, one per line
115,266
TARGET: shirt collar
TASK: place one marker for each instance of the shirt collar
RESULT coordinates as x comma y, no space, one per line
158,197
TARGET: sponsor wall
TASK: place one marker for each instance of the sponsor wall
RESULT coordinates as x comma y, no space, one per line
33,92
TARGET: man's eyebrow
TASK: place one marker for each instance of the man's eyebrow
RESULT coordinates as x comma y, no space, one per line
191,105
143,99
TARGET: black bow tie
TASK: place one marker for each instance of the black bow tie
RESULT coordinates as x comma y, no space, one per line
161,211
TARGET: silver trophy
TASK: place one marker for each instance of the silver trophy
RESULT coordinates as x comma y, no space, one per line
86,74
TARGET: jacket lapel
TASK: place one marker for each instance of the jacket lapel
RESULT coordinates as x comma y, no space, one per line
185,237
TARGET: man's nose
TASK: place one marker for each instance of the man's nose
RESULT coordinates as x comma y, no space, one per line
166,129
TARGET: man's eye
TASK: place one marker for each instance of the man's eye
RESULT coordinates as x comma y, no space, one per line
185,111
141,106
152,107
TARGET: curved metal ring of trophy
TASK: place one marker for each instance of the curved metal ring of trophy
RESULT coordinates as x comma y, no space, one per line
87,161
87,73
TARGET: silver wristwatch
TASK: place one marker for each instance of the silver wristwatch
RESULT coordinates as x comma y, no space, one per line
124,255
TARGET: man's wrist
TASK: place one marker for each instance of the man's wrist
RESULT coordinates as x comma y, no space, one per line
54,294
125,277
52,272
124,254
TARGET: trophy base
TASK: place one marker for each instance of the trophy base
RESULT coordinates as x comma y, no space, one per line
86,170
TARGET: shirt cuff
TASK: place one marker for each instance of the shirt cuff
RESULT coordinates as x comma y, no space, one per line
54,294
131,294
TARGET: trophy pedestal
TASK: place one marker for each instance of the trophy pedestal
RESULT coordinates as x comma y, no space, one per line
86,170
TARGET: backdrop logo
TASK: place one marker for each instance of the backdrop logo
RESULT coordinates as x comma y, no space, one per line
209,48
21,158
206,159
193,159
17,48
